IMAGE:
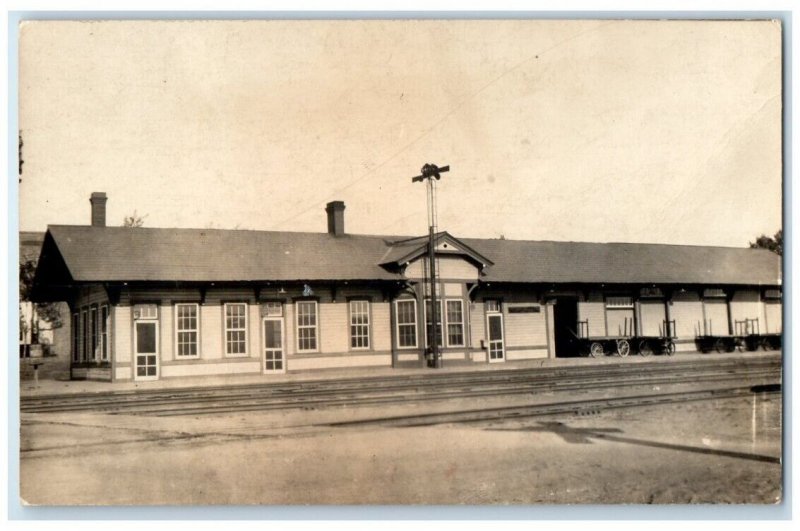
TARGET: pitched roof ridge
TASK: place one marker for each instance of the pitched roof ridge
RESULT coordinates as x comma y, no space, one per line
406,240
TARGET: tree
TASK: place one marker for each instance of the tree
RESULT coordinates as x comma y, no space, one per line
774,244
134,220
46,311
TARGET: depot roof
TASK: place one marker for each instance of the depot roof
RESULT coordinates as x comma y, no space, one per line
121,254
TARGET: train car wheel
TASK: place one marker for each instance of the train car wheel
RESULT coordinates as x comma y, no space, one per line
623,347
644,348
719,345
596,350
670,348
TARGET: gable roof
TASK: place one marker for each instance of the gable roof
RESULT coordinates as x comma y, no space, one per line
404,251
119,254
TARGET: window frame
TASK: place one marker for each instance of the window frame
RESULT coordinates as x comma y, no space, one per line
298,326
94,333
225,330
446,326
614,302
497,301
196,330
265,305
105,351
76,337
398,324
367,312
84,333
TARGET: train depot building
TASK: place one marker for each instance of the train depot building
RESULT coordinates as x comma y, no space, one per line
152,303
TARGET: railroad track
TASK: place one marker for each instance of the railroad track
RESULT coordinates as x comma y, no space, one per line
406,388
592,406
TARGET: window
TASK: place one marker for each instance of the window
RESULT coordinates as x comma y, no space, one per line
619,302
85,335
95,332
187,330
145,311
406,323
104,333
428,322
236,329
359,324
492,305
455,323
307,325
714,293
272,309
76,337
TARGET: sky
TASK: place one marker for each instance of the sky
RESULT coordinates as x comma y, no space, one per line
581,130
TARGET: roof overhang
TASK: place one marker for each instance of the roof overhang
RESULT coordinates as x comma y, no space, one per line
418,247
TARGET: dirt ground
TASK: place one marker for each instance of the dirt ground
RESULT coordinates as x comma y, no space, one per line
723,451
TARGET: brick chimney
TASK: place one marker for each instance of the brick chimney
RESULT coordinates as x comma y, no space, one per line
98,201
335,210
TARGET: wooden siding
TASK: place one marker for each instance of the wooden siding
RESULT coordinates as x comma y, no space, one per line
594,312
166,333
477,323
715,312
289,342
380,326
652,315
211,331
208,369
254,331
746,304
617,319
122,337
329,362
688,317
772,317
333,329
524,329
451,289
446,268
165,295
223,295
526,354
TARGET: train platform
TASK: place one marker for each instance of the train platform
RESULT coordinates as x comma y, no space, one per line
67,387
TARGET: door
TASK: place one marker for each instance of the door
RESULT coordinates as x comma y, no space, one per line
273,346
565,317
146,350
494,327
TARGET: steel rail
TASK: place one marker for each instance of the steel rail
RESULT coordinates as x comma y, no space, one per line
364,396
316,388
553,408
394,399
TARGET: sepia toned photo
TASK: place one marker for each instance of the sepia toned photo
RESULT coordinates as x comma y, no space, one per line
400,262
